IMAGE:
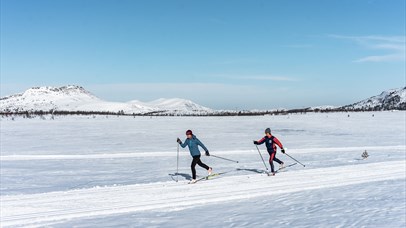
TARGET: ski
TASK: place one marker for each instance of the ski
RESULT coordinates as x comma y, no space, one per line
281,169
261,171
209,177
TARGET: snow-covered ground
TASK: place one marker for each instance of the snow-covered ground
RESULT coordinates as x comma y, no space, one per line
119,171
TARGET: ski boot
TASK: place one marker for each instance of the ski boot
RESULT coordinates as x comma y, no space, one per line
271,174
210,171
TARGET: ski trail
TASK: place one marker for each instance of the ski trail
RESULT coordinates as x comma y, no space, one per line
172,154
37,209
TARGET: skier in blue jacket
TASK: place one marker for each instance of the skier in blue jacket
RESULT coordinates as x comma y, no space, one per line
193,143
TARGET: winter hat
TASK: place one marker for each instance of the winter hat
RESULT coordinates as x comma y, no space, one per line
189,132
268,130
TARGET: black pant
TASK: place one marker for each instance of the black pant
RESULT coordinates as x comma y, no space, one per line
273,158
196,160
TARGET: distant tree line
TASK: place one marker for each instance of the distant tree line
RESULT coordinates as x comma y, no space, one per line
30,114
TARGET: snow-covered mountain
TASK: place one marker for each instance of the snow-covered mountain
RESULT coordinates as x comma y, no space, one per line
76,98
323,107
394,99
174,106
177,104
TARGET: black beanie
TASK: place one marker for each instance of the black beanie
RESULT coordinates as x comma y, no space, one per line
268,130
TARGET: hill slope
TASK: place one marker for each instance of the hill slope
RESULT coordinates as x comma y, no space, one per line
76,98
394,99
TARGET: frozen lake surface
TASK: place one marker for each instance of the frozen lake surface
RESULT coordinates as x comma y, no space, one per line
81,171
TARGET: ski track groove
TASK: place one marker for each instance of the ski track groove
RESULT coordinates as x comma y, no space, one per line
29,157
54,206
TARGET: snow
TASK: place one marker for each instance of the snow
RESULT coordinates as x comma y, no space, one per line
76,98
324,107
387,100
177,104
172,196
119,171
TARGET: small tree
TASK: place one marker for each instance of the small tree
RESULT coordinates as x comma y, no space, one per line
365,155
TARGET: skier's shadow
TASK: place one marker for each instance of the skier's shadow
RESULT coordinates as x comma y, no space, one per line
184,175
252,170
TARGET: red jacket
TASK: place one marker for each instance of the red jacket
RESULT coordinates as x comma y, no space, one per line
271,143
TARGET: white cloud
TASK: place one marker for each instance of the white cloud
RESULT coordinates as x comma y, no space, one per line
382,58
394,39
237,61
395,45
259,77
268,78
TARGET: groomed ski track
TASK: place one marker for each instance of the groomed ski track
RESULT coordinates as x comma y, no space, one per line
55,207
29,157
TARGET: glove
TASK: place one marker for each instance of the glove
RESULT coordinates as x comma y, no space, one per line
207,153
283,150
256,142
179,141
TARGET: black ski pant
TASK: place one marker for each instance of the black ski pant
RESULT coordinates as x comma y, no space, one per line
273,158
196,160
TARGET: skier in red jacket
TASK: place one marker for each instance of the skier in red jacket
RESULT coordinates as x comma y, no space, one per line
271,142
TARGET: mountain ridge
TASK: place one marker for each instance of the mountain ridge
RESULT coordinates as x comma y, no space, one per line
387,100
74,98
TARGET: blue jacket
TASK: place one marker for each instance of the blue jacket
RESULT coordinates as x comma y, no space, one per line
193,144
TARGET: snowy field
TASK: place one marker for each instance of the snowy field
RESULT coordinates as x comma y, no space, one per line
119,172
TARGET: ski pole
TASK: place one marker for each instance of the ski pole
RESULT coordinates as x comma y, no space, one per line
177,165
294,159
224,158
259,152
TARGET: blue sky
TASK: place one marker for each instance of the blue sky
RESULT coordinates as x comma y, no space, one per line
221,54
